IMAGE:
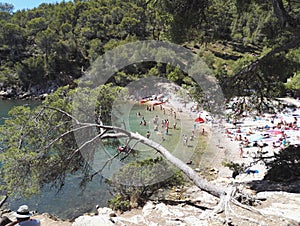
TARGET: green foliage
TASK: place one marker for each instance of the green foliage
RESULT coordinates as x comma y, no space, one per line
285,166
27,163
118,203
68,36
5,11
176,75
124,181
6,7
57,42
235,167
35,153
293,57
252,22
31,71
294,82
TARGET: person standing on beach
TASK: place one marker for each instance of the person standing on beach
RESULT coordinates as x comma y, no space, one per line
193,135
241,149
260,145
185,140
162,123
234,122
167,126
167,123
148,134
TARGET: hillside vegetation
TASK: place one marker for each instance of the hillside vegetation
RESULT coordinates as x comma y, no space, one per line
250,44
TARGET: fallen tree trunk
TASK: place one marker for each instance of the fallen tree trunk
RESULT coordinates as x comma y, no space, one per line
200,182
3,201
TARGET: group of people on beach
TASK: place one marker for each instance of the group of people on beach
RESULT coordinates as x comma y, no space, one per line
278,132
165,123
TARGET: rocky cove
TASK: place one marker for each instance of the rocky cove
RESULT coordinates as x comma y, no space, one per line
189,206
39,91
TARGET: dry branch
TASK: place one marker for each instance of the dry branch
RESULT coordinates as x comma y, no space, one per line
3,201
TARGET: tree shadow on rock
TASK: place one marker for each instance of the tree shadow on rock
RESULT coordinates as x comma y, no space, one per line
283,172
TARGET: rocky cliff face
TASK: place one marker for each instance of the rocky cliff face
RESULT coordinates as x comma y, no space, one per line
37,91
193,209
280,208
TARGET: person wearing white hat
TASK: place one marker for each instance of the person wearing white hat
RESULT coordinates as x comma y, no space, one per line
23,218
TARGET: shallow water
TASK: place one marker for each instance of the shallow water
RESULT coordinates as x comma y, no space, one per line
72,201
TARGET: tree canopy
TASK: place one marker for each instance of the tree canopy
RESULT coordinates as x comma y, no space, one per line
249,44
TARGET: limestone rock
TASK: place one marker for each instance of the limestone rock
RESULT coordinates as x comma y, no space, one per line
93,221
105,211
163,210
148,208
194,221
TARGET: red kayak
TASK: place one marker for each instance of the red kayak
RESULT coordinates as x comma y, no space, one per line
143,101
158,103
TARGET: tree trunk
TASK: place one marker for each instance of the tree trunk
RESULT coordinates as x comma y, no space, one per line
200,182
3,201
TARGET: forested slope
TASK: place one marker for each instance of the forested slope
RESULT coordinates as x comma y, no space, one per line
252,44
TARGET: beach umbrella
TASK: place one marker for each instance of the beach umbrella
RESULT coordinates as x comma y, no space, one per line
199,119
275,132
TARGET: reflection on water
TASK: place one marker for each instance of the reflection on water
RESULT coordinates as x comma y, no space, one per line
71,201
7,105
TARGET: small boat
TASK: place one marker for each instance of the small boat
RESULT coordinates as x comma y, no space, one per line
144,101
158,103
125,149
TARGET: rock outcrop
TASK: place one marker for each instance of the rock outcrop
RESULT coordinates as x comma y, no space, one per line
281,208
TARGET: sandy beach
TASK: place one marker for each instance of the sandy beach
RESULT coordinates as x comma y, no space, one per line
241,141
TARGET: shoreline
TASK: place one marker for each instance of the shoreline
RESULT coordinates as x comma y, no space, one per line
222,147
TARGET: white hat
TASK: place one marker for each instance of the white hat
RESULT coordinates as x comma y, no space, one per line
23,212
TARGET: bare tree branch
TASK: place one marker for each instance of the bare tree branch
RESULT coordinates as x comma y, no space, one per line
3,200
65,113
104,165
66,133
82,146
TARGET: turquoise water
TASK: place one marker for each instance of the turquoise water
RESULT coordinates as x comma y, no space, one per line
6,105
71,201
